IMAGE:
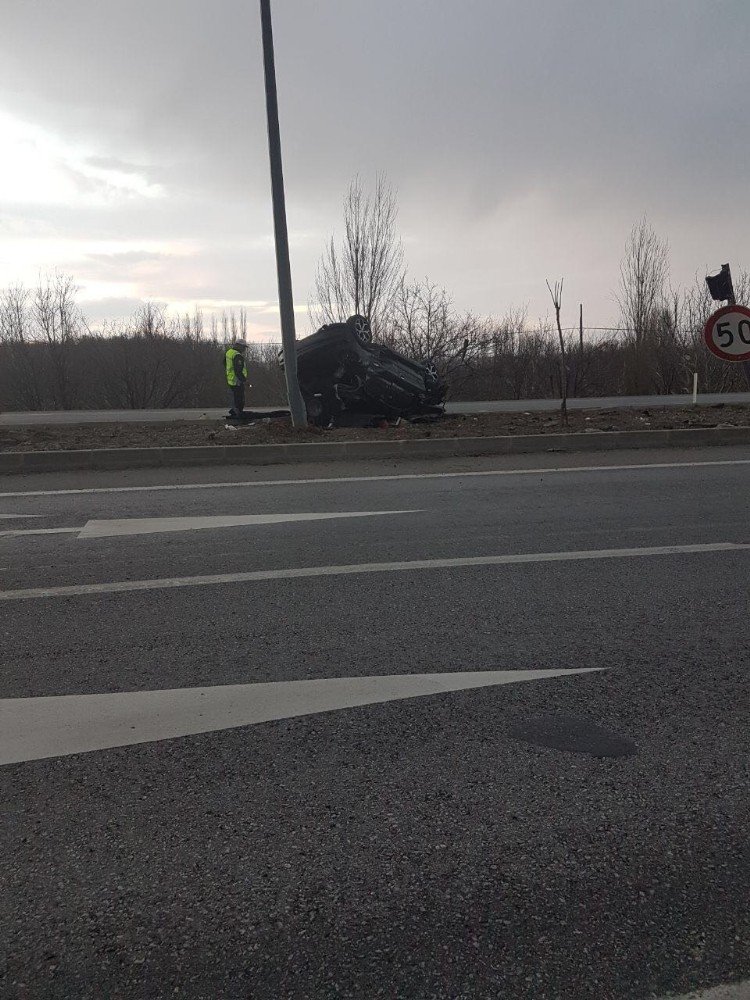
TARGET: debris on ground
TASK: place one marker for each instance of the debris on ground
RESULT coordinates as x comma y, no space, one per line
280,430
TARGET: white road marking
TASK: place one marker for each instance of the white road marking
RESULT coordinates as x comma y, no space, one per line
152,525
7,517
375,479
37,728
21,532
168,583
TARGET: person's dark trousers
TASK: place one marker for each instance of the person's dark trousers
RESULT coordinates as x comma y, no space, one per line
238,399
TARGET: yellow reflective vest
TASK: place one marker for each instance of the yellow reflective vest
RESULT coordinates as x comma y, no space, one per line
229,363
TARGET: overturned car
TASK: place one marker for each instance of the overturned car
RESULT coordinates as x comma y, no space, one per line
345,378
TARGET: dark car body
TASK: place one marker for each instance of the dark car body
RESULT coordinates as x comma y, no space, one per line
341,371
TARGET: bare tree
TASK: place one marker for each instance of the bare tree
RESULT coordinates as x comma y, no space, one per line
143,372
423,324
213,328
233,325
14,319
361,275
17,335
696,306
667,347
504,374
644,272
59,324
557,293
150,321
49,358
420,320
198,325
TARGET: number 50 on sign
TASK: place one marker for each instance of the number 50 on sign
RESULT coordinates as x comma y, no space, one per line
727,333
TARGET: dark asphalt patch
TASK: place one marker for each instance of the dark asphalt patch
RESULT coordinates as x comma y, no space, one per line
576,735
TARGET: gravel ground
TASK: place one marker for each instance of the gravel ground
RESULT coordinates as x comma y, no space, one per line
277,431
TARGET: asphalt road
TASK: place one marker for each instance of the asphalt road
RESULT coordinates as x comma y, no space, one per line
31,419
412,848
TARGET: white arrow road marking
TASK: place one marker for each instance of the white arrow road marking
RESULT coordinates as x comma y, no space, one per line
36,728
151,525
22,532
410,566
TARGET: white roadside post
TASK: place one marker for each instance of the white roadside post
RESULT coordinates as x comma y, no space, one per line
695,388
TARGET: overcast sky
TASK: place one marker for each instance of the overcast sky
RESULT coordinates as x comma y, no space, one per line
525,137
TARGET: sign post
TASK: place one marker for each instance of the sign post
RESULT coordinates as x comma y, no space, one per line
727,331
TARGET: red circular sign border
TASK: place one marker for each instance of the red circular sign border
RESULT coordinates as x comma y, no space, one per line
710,322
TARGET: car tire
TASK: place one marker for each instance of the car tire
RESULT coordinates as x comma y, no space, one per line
360,327
318,411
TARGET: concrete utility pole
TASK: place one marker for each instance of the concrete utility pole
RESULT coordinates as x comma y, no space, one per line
286,303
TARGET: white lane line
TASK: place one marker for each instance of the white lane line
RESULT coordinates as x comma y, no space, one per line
168,583
36,728
8,517
152,525
21,532
376,479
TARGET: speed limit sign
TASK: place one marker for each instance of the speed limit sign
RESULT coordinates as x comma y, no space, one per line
727,333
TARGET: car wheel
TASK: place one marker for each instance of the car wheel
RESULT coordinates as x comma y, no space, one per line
360,327
318,410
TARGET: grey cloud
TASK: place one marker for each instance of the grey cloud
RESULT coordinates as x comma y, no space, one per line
99,311
127,257
113,163
114,266
514,129
488,85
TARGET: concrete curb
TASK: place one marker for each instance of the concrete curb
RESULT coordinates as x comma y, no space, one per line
332,451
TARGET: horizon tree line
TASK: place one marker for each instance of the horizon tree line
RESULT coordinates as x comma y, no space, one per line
51,358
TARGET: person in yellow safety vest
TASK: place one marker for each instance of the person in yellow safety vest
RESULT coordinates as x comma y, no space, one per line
235,368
